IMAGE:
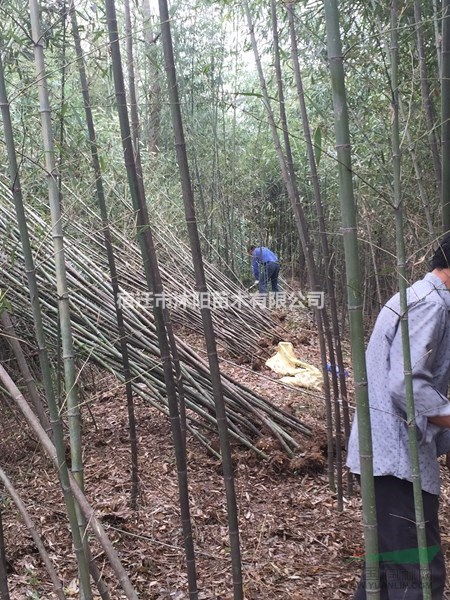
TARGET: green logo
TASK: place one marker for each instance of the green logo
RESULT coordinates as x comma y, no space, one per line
400,557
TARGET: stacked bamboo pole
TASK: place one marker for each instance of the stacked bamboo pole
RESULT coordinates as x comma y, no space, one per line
240,322
96,336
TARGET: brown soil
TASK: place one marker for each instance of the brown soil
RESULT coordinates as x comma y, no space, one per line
295,543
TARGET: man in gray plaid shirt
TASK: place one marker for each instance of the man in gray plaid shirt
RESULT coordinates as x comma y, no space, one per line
429,330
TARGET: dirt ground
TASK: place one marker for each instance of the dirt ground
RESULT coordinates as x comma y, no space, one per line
295,543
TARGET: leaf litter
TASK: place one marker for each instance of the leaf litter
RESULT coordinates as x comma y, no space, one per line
295,544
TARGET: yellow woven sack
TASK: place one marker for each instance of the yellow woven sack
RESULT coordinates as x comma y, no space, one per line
296,372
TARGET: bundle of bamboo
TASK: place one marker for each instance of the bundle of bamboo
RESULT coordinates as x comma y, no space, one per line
96,335
240,318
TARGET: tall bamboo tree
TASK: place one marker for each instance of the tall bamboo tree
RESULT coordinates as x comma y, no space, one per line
334,339
40,335
111,259
427,101
70,376
202,289
68,353
402,281
353,278
154,283
322,324
135,134
445,114
290,183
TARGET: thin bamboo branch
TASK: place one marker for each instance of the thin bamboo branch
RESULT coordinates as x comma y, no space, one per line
34,534
88,512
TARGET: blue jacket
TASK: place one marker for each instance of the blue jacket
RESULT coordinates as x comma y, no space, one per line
262,255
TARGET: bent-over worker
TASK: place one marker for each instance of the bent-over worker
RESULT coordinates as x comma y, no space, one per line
265,267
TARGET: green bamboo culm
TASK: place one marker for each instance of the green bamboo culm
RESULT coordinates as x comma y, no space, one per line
70,376
73,411
155,287
333,336
107,236
40,336
402,279
445,115
201,285
290,171
353,278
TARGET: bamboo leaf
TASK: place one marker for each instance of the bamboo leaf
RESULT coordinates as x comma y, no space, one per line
318,144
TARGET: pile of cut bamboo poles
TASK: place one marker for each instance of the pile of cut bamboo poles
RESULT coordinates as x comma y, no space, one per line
96,335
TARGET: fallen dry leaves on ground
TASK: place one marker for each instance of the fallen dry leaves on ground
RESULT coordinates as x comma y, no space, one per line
295,544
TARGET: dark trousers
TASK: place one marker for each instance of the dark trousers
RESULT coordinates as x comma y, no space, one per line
399,572
269,271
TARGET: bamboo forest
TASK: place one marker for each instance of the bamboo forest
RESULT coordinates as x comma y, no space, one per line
224,326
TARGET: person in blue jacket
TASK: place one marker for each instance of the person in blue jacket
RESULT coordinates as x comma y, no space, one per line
265,267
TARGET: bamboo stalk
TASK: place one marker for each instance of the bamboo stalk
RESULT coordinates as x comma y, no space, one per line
202,288
402,281
445,115
70,377
34,296
155,286
88,512
135,133
59,591
353,279
334,337
111,260
303,232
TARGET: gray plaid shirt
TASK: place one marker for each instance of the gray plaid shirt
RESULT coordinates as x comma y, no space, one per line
429,330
